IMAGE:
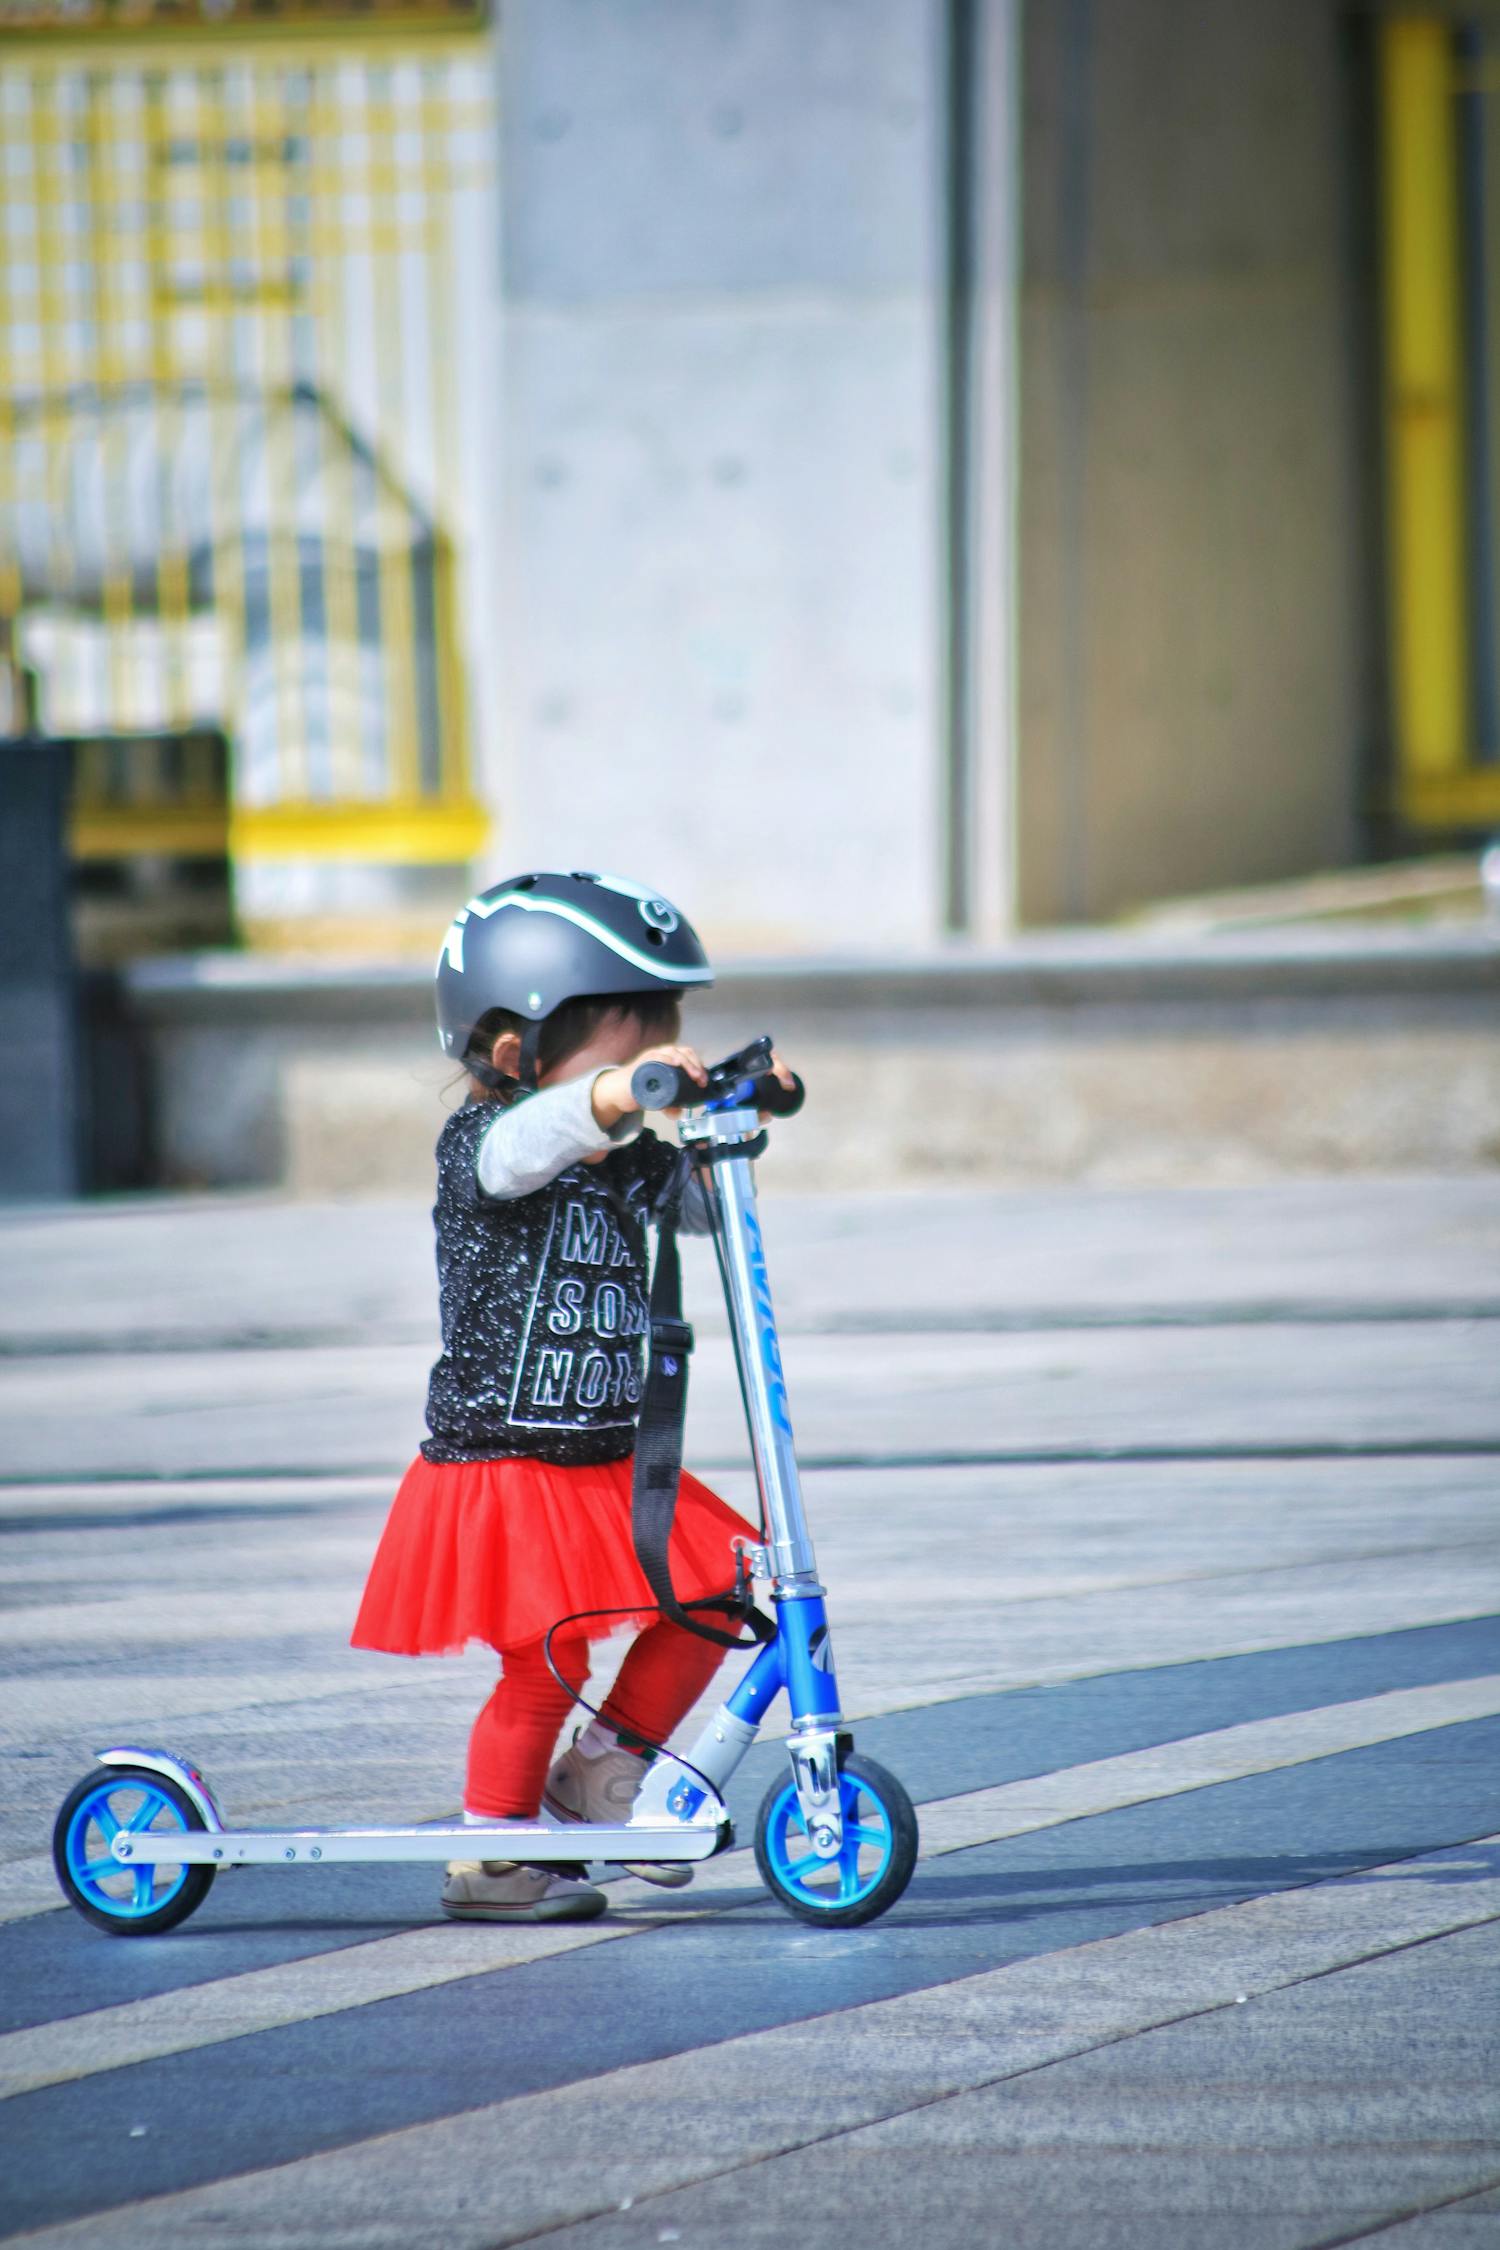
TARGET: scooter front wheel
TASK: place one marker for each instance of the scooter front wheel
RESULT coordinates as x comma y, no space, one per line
127,1901
872,1868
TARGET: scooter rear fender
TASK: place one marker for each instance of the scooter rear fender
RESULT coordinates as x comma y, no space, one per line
176,1769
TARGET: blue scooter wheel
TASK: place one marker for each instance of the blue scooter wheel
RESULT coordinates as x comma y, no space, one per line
872,1869
126,1901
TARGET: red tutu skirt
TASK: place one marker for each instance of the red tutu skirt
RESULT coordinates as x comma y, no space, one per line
498,1551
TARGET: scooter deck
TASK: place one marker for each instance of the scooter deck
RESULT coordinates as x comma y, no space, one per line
266,1847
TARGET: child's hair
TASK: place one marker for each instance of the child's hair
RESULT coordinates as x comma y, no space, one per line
574,1024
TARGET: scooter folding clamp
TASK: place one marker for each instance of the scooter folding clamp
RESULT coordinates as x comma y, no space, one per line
757,1558
815,1771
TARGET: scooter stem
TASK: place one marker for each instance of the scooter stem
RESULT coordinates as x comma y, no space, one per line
729,1183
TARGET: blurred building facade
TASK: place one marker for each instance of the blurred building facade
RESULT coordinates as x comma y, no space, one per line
893,470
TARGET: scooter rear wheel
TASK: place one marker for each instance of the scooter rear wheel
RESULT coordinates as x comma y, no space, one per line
126,1901
872,1869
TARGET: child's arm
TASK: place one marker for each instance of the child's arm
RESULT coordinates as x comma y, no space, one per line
525,1146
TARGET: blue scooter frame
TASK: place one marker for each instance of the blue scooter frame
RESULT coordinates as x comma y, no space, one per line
137,1845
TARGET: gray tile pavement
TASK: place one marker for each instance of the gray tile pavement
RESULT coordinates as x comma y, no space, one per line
182,1538
232,1631
735,2134
342,1409
196,1272
1309,2115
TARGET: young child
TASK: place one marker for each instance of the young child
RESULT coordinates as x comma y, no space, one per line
516,1512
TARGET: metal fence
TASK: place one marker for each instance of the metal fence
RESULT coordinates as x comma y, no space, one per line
235,402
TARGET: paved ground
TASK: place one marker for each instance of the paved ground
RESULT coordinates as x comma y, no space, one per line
1165,1563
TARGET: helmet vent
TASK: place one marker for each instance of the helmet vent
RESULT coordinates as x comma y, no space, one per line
655,937
522,883
580,877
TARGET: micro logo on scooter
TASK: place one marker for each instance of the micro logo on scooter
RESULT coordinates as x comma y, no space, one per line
770,1349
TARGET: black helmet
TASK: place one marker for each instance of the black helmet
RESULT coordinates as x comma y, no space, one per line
535,941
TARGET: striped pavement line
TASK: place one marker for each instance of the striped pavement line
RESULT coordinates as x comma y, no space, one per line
194,2016
652,2128
30,1888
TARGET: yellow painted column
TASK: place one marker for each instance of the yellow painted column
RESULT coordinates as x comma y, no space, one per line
1424,412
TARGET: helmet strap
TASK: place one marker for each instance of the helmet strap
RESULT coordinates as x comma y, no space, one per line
501,1081
498,1081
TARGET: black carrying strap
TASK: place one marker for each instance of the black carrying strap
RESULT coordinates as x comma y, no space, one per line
658,1444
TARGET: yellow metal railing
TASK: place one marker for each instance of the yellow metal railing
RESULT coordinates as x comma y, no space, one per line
1440,782
125,21
230,494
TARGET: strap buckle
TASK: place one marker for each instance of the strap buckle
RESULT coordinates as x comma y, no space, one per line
738,1602
670,1335
754,1557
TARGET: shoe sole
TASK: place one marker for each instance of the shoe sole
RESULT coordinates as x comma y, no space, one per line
662,1873
545,1910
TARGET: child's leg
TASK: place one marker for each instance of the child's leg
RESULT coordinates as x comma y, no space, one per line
511,1745
662,1677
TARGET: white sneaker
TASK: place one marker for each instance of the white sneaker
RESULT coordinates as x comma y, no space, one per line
603,1789
499,1890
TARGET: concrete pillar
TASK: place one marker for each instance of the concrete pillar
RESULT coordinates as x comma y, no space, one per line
723,507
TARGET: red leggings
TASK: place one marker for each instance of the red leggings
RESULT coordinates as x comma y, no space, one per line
515,1734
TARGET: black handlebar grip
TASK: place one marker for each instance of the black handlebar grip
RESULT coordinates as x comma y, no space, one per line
781,1101
659,1085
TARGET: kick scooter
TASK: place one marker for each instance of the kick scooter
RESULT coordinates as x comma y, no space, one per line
137,1844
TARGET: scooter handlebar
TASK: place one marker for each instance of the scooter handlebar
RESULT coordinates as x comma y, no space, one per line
663,1086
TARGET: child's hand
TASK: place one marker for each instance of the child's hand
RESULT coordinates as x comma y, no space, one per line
612,1098
787,1076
